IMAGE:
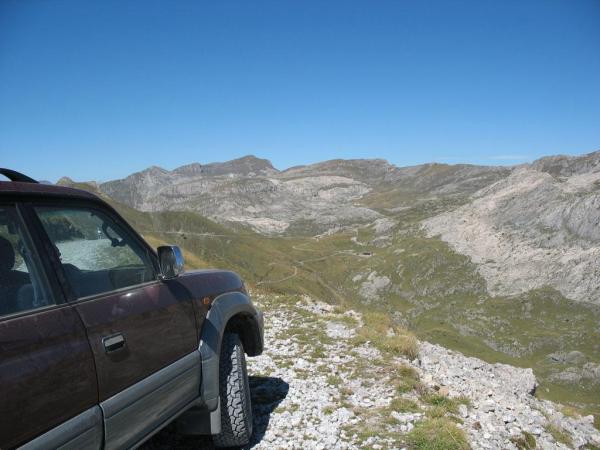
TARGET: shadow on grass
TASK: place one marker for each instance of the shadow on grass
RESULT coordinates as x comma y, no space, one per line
266,394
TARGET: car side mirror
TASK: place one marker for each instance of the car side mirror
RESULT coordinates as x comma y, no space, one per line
170,260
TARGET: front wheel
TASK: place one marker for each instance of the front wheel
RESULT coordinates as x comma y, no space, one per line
234,391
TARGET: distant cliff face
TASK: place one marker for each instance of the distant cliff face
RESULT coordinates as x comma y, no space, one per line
313,198
538,227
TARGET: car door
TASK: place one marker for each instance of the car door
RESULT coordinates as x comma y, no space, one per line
48,389
142,331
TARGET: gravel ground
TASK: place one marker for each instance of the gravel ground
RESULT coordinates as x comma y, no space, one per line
316,388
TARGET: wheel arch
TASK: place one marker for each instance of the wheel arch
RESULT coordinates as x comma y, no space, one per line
232,312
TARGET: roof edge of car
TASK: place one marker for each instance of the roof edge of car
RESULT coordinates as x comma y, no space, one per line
13,175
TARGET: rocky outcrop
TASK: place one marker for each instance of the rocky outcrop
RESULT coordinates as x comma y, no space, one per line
567,166
503,405
537,227
371,288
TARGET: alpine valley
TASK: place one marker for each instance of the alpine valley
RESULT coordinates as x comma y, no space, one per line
496,263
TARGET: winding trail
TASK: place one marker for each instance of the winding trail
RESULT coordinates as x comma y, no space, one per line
301,263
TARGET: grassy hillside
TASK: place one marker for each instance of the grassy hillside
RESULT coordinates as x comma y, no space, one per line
432,290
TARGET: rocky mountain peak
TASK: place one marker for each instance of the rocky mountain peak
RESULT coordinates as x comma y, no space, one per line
247,165
154,170
65,181
69,182
190,170
566,166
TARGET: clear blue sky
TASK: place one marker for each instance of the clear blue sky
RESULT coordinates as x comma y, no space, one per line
99,89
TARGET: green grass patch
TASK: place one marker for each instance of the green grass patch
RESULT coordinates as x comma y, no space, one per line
404,405
334,380
526,441
442,405
376,330
405,378
328,410
559,434
437,434
349,321
318,353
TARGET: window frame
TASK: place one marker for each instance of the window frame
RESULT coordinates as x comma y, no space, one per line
46,273
88,205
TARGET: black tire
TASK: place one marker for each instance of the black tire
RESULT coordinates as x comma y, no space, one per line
234,390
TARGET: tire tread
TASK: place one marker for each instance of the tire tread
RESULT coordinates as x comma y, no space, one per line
236,408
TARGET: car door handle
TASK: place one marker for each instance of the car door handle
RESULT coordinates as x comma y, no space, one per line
113,343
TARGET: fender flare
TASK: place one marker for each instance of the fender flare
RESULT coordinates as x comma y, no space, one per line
223,309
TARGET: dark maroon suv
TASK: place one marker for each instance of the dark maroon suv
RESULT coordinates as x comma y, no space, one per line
104,341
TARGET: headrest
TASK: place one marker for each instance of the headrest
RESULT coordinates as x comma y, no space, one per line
7,255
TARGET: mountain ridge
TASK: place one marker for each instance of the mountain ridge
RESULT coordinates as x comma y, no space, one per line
249,191
495,215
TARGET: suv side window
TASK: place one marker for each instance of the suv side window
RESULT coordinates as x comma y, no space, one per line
21,278
96,252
